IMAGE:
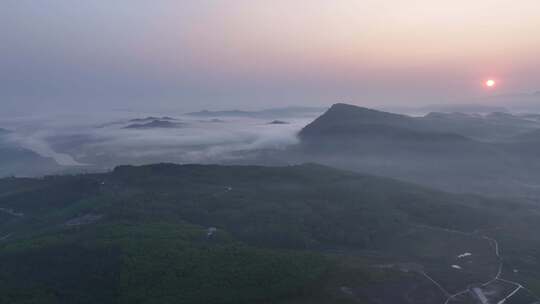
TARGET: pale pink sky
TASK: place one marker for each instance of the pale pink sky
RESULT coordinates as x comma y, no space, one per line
229,53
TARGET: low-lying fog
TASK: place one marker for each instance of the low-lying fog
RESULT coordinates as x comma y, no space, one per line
98,141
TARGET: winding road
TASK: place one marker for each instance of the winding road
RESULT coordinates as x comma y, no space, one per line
497,276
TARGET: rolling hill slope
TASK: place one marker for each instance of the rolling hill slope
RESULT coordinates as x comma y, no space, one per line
238,234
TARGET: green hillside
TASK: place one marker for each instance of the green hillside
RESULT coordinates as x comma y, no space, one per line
217,234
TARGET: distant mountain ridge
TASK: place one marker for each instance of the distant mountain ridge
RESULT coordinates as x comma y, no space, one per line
266,114
151,118
157,123
463,108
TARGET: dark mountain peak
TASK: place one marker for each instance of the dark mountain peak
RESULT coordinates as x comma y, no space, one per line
340,114
342,119
344,106
344,123
344,110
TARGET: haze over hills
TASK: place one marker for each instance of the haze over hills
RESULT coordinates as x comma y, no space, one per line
519,102
455,152
510,102
462,108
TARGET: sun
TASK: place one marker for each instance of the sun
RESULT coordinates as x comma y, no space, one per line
490,83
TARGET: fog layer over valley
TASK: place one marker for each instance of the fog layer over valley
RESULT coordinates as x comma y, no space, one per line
100,141
494,154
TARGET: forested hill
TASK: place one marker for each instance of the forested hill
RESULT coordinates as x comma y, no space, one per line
205,234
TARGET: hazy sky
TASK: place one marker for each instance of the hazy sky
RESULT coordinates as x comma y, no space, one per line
192,54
